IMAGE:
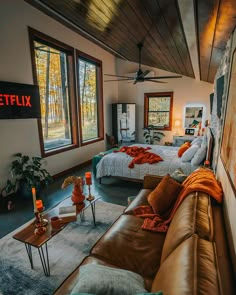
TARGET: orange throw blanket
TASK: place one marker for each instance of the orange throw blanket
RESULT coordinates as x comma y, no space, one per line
202,180
149,158
140,154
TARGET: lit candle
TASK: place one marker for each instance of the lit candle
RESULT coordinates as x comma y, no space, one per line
39,205
34,198
88,178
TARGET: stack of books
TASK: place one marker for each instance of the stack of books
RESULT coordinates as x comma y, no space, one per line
68,213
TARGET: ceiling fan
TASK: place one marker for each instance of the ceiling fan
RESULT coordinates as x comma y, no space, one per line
140,76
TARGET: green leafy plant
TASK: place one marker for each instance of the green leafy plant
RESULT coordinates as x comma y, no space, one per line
28,172
151,134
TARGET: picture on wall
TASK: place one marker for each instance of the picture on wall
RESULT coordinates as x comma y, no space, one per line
228,146
193,117
219,91
211,102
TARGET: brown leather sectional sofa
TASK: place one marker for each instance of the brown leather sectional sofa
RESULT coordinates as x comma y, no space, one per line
191,258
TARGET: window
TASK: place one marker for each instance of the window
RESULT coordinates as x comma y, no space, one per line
158,110
90,97
65,119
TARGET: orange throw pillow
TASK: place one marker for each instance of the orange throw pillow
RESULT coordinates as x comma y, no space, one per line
183,148
163,197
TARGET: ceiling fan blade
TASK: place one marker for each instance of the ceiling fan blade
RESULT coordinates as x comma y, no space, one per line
128,79
145,73
163,77
118,76
150,80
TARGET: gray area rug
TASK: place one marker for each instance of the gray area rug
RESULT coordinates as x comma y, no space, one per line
66,250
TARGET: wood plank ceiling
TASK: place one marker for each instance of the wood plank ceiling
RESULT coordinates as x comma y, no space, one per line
118,25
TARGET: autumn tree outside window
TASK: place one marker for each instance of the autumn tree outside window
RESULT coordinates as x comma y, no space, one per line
90,90
158,110
69,116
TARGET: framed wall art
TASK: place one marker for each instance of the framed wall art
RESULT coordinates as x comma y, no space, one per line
219,94
193,116
211,102
228,145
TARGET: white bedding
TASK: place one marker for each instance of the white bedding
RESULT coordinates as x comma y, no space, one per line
116,164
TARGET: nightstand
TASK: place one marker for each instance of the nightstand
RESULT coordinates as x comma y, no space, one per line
179,140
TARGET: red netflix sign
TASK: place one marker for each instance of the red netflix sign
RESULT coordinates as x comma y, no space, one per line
19,101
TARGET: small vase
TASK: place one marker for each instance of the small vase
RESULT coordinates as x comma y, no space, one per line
77,195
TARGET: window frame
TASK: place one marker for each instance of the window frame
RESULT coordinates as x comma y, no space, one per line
100,120
146,108
73,89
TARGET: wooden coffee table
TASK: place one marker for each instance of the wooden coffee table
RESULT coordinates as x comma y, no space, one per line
27,236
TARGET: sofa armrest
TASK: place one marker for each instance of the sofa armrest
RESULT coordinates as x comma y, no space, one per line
151,181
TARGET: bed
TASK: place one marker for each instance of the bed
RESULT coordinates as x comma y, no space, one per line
116,164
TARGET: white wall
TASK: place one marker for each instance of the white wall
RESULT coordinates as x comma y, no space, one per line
186,90
15,66
229,200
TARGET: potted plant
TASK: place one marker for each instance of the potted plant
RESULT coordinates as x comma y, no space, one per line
151,134
28,173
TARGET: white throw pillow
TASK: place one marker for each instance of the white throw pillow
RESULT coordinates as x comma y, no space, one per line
204,139
197,140
189,154
200,156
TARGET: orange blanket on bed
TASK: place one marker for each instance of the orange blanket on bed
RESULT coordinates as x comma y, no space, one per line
202,180
132,151
140,154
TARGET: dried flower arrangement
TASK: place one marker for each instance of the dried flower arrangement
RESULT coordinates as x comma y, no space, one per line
76,180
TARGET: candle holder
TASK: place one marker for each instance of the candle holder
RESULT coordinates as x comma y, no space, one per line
89,198
43,221
88,181
40,224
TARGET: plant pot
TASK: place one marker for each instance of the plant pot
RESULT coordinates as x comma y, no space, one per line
25,189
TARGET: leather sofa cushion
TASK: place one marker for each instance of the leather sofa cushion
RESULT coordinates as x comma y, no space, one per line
128,246
225,256
194,215
140,200
190,269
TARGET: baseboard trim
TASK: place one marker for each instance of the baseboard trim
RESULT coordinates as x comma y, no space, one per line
58,175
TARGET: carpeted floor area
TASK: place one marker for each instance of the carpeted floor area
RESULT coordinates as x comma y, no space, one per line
66,250
111,190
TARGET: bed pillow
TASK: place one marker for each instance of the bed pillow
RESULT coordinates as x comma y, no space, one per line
204,139
178,175
100,279
183,148
200,156
197,140
189,153
163,197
